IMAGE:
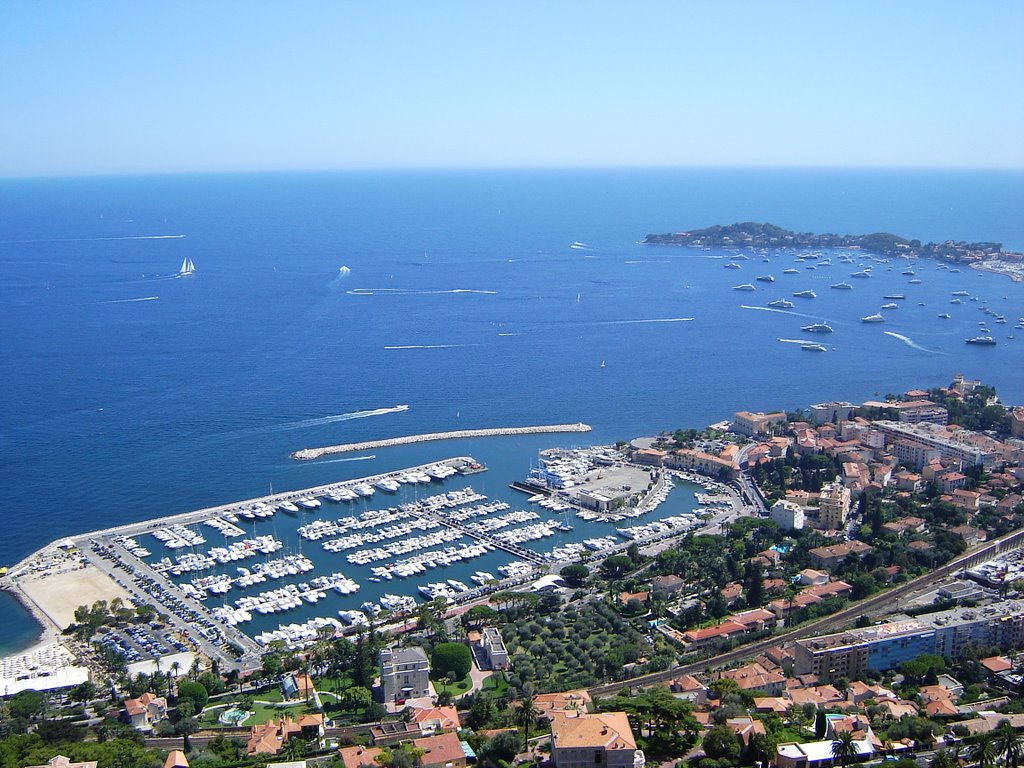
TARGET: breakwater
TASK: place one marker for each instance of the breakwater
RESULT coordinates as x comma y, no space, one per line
307,454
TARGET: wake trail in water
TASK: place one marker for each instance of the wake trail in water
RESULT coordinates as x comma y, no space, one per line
428,346
94,239
414,291
911,343
319,422
652,320
337,461
781,311
129,301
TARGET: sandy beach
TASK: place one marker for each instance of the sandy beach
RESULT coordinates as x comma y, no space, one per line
58,595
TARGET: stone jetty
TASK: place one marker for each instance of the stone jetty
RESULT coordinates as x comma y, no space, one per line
307,454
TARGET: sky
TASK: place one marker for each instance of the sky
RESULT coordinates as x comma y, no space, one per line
129,87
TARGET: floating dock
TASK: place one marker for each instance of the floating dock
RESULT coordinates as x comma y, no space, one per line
307,454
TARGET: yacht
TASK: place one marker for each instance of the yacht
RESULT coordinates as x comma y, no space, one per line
873,319
187,268
766,278
782,303
890,305
955,301
842,286
386,484
733,265
908,272
791,271
744,287
817,328
915,281
363,490
457,585
894,296
984,341
309,503
944,316
806,295
863,273
287,506
813,348
961,293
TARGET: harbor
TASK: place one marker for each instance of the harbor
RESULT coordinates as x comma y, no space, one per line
287,568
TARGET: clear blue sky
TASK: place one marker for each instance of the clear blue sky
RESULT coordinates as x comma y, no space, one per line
130,87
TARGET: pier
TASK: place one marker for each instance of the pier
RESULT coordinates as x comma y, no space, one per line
307,454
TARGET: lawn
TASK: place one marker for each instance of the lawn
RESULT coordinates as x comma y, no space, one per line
457,688
496,684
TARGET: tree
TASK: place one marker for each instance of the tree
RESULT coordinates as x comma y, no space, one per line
27,704
479,616
526,716
844,748
575,575
721,742
616,566
1009,743
763,747
984,751
944,759
185,728
195,693
453,658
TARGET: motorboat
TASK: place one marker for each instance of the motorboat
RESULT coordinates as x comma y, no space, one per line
817,328
873,319
806,294
842,286
782,304
744,287
813,348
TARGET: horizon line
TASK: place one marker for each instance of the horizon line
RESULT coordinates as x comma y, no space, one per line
127,174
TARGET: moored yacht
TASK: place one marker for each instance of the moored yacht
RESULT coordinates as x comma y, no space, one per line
842,286
732,265
813,348
744,287
876,318
782,303
817,328
806,295
791,271
766,278
984,341
387,484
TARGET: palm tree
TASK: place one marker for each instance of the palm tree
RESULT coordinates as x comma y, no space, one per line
526,716
984,751
1008,743
844,748
944,759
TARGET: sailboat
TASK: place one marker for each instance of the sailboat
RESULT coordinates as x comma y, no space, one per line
602,363
187,268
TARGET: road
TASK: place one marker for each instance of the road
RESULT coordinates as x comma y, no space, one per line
836,621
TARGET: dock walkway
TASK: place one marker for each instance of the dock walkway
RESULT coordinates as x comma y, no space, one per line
306,454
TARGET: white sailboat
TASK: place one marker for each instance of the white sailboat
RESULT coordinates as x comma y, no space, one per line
187,268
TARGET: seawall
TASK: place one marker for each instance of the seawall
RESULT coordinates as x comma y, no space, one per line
307,454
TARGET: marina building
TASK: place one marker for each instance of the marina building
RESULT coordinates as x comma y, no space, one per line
752,424
602,740
494,649
698,461
833,506
826,413
939,438
404,673
788,515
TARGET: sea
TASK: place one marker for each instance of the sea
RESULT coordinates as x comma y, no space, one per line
321,302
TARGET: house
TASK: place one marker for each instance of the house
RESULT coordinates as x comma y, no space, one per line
360,757
745,727
176,759
756,679
297,686
970,535
442,751
830,556
701,637
268,738
433,720
816,754
669,584
565,701
389,733
59,761
146,711
404,673
494,651
689,688
996,665
601,740
809,576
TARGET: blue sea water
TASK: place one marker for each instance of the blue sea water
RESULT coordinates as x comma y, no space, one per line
130,394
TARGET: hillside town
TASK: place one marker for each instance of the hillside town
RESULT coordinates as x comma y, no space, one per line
860,599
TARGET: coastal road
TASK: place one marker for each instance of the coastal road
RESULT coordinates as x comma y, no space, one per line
836,621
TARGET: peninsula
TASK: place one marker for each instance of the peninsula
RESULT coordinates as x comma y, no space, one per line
751,234
315,453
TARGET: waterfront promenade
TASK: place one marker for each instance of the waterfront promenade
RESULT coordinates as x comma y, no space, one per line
307,454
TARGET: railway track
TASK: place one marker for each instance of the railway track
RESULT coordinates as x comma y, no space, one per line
836,621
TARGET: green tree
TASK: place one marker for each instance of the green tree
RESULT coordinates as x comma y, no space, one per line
185,728
525,716
844,748
575,575
984,751
1009,743
721,743
453,658
195,693
616,566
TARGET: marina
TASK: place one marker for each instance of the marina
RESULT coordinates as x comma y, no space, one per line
348,555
